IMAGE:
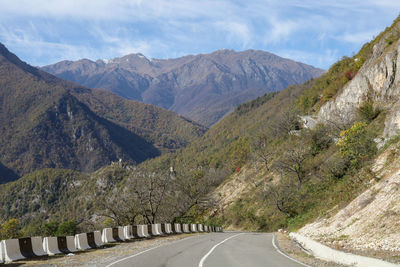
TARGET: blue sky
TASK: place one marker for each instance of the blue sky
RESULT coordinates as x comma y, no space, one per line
317,32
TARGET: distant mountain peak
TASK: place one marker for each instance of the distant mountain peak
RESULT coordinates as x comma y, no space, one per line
52,123
202,87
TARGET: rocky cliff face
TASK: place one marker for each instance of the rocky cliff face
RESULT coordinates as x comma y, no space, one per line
378,82
203,87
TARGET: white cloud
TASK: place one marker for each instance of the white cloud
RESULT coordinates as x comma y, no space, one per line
280,30
359,37
167,28
236,31
326,58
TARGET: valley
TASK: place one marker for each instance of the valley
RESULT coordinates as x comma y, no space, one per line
258,143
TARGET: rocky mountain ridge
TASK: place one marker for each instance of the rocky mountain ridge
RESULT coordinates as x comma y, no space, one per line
50,123
202,87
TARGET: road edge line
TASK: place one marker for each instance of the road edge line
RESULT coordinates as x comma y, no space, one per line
214,247
284,254
144,251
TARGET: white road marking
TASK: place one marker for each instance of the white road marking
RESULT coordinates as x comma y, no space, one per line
212,249
144,251
277,249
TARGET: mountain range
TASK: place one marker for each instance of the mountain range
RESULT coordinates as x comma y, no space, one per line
47,122
202,87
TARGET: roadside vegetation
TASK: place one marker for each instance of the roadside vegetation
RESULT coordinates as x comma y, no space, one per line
294,174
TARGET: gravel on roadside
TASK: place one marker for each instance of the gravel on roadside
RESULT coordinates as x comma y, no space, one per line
292,249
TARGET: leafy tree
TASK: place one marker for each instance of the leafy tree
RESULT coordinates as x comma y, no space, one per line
67,228
10,229
50,229
108,222
34,228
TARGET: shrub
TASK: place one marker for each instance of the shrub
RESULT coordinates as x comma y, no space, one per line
320,139
50,229
350,74
356,144
10,229
367,112
67,228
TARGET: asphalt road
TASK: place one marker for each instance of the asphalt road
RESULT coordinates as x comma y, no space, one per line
214,249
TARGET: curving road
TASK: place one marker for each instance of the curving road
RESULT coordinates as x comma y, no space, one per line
214,249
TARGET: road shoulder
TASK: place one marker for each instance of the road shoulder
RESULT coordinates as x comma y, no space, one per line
103,256
292,249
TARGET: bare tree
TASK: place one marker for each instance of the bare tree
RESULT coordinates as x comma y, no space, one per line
262,149
150,189
286,122
192,186
281,194
292,161
120,206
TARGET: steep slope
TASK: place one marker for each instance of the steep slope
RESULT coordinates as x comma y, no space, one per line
48,122
377,82
203,87
371,221
57,194
336,181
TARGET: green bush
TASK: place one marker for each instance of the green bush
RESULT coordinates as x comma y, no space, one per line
367,112
320,139
50,229
67,228
10,229
356,144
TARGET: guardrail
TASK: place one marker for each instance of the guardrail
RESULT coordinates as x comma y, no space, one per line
22,248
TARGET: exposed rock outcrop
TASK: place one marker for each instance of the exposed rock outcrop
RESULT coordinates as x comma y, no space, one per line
371,221
378,82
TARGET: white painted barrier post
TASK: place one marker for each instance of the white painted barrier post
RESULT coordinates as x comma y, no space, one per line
50,245
107,235
97,239
193,228
169,228
200,227
186,228
120,234
81,241
177,228
145,230
17,249
128,232
37,246
71,244
153,228
11,250
57,245
140,230
159,230
1,252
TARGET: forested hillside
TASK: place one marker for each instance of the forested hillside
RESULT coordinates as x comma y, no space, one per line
50,123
